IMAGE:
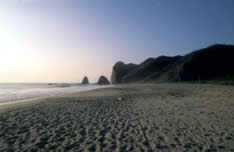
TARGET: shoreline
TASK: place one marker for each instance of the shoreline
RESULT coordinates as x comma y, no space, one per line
16,102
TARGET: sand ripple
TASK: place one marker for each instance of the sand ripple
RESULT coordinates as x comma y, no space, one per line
145,121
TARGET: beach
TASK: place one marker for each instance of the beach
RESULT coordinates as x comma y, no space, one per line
150,117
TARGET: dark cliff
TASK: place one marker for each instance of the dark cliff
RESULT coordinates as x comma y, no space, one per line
204,64
119,70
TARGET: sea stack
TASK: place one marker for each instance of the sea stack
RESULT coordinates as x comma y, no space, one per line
85,80
103,81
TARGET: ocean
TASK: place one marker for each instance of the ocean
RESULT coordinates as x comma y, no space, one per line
19,92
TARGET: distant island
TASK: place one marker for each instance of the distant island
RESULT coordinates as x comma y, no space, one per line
212,63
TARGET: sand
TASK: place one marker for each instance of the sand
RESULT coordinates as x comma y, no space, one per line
152,117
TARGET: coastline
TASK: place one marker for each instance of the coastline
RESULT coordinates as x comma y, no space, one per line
38,99
152,117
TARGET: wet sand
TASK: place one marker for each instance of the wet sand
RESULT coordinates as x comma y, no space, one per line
152,117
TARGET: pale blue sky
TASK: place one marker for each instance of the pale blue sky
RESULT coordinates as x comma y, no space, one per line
63,40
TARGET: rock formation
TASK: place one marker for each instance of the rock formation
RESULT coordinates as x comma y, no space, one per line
85,80
119,70
148,68
205,64
103,81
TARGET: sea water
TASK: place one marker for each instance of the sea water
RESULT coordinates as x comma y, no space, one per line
16,92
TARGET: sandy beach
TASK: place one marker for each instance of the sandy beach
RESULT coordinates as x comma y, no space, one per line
152,117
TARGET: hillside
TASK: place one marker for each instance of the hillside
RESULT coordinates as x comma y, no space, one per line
149,67
209,63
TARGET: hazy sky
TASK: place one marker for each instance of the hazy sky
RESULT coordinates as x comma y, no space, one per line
63,40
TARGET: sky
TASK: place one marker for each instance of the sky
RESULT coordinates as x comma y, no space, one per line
65,40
